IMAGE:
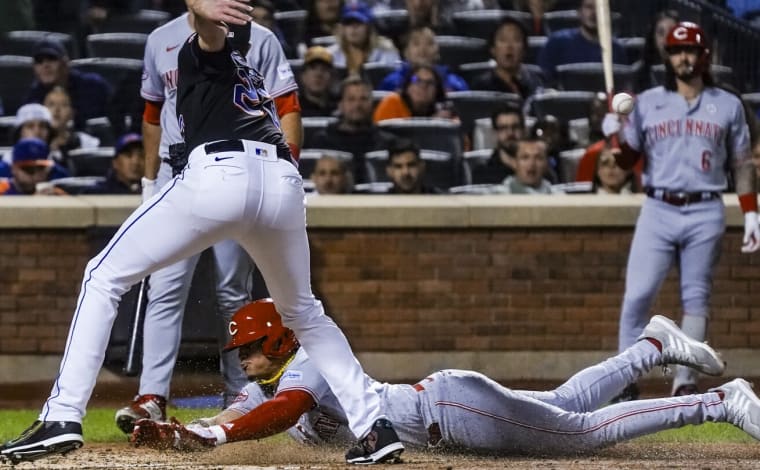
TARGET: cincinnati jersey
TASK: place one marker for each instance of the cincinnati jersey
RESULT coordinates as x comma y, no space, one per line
219,96
327,422
159,80
687,145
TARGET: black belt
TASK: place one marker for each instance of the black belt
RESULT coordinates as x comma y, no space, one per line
233,145
681,198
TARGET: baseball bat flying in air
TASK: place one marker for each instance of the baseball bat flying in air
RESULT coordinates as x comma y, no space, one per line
131,365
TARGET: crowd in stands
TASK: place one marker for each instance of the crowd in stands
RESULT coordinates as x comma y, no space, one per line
397,96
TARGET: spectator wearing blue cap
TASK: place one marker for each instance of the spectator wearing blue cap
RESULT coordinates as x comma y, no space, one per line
127,167
358,41
89,91
31,165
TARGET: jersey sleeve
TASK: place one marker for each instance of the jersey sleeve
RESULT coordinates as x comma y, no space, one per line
249,398
268,58
152,88
738,136
302,375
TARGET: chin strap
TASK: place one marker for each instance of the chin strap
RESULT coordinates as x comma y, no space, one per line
278,374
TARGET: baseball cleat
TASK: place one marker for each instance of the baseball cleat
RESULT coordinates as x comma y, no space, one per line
685,389
629,393
381,445
678,348
42,439
143,407
742,406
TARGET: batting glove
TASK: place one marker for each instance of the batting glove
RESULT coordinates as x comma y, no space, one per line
149,188
751,240
611,124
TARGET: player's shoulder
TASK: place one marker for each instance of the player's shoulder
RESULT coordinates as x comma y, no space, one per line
259,33
723,95
176,29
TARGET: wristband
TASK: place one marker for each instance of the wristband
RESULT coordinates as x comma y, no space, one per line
295,150
218,431
748,202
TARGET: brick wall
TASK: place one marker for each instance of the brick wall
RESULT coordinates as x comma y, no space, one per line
417,290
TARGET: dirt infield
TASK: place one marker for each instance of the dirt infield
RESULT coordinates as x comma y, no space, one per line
291,456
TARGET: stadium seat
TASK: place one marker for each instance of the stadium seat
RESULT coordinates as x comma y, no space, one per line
472,70
568,162
90,162
312,125
375,72
457,50
13,91
296,65
324,41
440,167
472,160
589,76
23,43
753,99
125,77
564,105
564,19
378,95
473,104
293,25
483,23
100,127
143,21
309,157
7,128
428,133
378,187
721,73
634,48
483,136
392,23
129,45
535,44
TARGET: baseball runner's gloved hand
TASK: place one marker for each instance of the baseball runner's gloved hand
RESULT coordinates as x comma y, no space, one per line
171,435
751,240
611,124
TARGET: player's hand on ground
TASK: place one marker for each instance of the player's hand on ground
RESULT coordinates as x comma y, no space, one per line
171,435
228,11
751,240
611,124
204,422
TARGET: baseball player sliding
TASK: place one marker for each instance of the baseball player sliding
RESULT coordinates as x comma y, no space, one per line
455,409
169,287
239,181
689,132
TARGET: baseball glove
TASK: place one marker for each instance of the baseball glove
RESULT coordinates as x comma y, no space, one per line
171,435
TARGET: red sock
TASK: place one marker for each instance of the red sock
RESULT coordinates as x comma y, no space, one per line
656,343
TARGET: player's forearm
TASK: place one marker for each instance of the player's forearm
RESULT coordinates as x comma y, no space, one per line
292,128
151,141
746,185
271,417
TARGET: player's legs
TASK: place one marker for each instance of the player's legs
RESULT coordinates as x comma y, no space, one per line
234,271
652,251
699,255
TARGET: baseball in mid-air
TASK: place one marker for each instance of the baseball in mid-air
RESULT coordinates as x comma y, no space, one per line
622,103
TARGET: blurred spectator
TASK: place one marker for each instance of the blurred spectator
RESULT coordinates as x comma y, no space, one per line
420,47
437,14
316,77
33,120
573,45
609,178
89,91
654,47
536,8
31,165
530,166
17,15
127,168
508,45
358,41
323,19
354,131
756,157
331,175
65,138
263,14
553,133
422,95
509,125
406,169
597,110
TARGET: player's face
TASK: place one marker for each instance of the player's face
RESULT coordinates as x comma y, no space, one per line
35,129
255,364
405,170
684,61
530,163
59,104
421,89
356,104
587,15
422,48
508,130
355,33
508,49
130,165
611,176
329,177
48,69
26,177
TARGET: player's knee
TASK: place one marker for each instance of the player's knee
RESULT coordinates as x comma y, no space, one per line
299,316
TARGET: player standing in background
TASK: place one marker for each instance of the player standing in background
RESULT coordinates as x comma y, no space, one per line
460,410
238,181
169,287
689,131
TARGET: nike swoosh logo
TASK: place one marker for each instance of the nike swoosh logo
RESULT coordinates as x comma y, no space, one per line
219,159
171,48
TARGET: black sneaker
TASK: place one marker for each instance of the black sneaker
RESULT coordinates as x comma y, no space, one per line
629,393
43,438
380,445
685,389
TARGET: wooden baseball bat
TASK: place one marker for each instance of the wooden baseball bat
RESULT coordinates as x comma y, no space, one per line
131,365
604,30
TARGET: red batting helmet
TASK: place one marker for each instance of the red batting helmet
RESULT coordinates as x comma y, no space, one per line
686,33
260,321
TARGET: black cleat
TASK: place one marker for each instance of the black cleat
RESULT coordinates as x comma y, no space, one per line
42,439
629,393
685,389
380,445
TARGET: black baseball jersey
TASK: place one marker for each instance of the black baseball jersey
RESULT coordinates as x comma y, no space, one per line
219,96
